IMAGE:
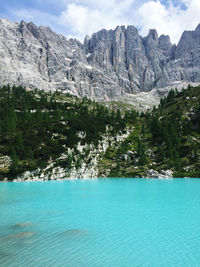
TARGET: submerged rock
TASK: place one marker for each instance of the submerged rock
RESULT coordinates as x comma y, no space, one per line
18,235
23,224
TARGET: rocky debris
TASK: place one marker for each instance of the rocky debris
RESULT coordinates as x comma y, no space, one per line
5,162
124,157
147,100
88,168
155,174
110,64
130,155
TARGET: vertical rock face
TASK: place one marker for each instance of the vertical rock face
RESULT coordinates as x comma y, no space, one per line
34,57
188,55
108,65
139,63
165,46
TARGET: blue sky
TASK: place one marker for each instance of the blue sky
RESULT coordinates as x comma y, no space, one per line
76,18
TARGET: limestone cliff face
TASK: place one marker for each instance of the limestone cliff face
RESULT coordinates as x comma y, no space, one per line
36,57
108,65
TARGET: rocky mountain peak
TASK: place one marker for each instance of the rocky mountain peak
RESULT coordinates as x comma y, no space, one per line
165,45
153,35
109,64
164,40
197,28
132,29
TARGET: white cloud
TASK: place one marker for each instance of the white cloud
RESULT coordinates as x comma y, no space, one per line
88,16
81,17
87,19
169,20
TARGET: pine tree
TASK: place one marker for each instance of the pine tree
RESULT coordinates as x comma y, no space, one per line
161,154
15,160
141,153
118,115
19,144
10,122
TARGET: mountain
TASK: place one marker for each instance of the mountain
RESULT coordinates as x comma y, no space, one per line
109,65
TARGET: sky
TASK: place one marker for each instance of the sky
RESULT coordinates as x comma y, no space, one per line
78,18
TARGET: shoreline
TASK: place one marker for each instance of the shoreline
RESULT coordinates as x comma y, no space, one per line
97,178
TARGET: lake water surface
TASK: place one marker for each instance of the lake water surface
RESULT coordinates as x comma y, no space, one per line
100,222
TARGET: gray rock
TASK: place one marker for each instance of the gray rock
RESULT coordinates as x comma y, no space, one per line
108,65
152,173
125,157
167,174
130,153
5,162
88,169
155,174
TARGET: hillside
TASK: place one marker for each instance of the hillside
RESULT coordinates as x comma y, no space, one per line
54,135
39,129
166,138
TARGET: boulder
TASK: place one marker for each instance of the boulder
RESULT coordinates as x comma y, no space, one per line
155,174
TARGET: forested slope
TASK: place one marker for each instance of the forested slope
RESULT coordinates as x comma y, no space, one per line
166,138
36,127
39,129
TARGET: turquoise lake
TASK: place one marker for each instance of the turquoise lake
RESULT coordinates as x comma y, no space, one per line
100,222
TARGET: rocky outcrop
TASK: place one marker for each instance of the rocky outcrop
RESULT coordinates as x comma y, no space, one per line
5,162
88,168
155,174
110,64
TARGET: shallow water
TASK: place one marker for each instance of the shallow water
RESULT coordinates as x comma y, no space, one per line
102,222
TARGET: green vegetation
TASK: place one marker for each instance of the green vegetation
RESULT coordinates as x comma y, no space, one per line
166,138
37,127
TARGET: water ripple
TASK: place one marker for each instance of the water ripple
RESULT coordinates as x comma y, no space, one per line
109,223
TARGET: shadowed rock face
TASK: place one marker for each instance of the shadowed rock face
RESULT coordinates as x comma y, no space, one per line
108,65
